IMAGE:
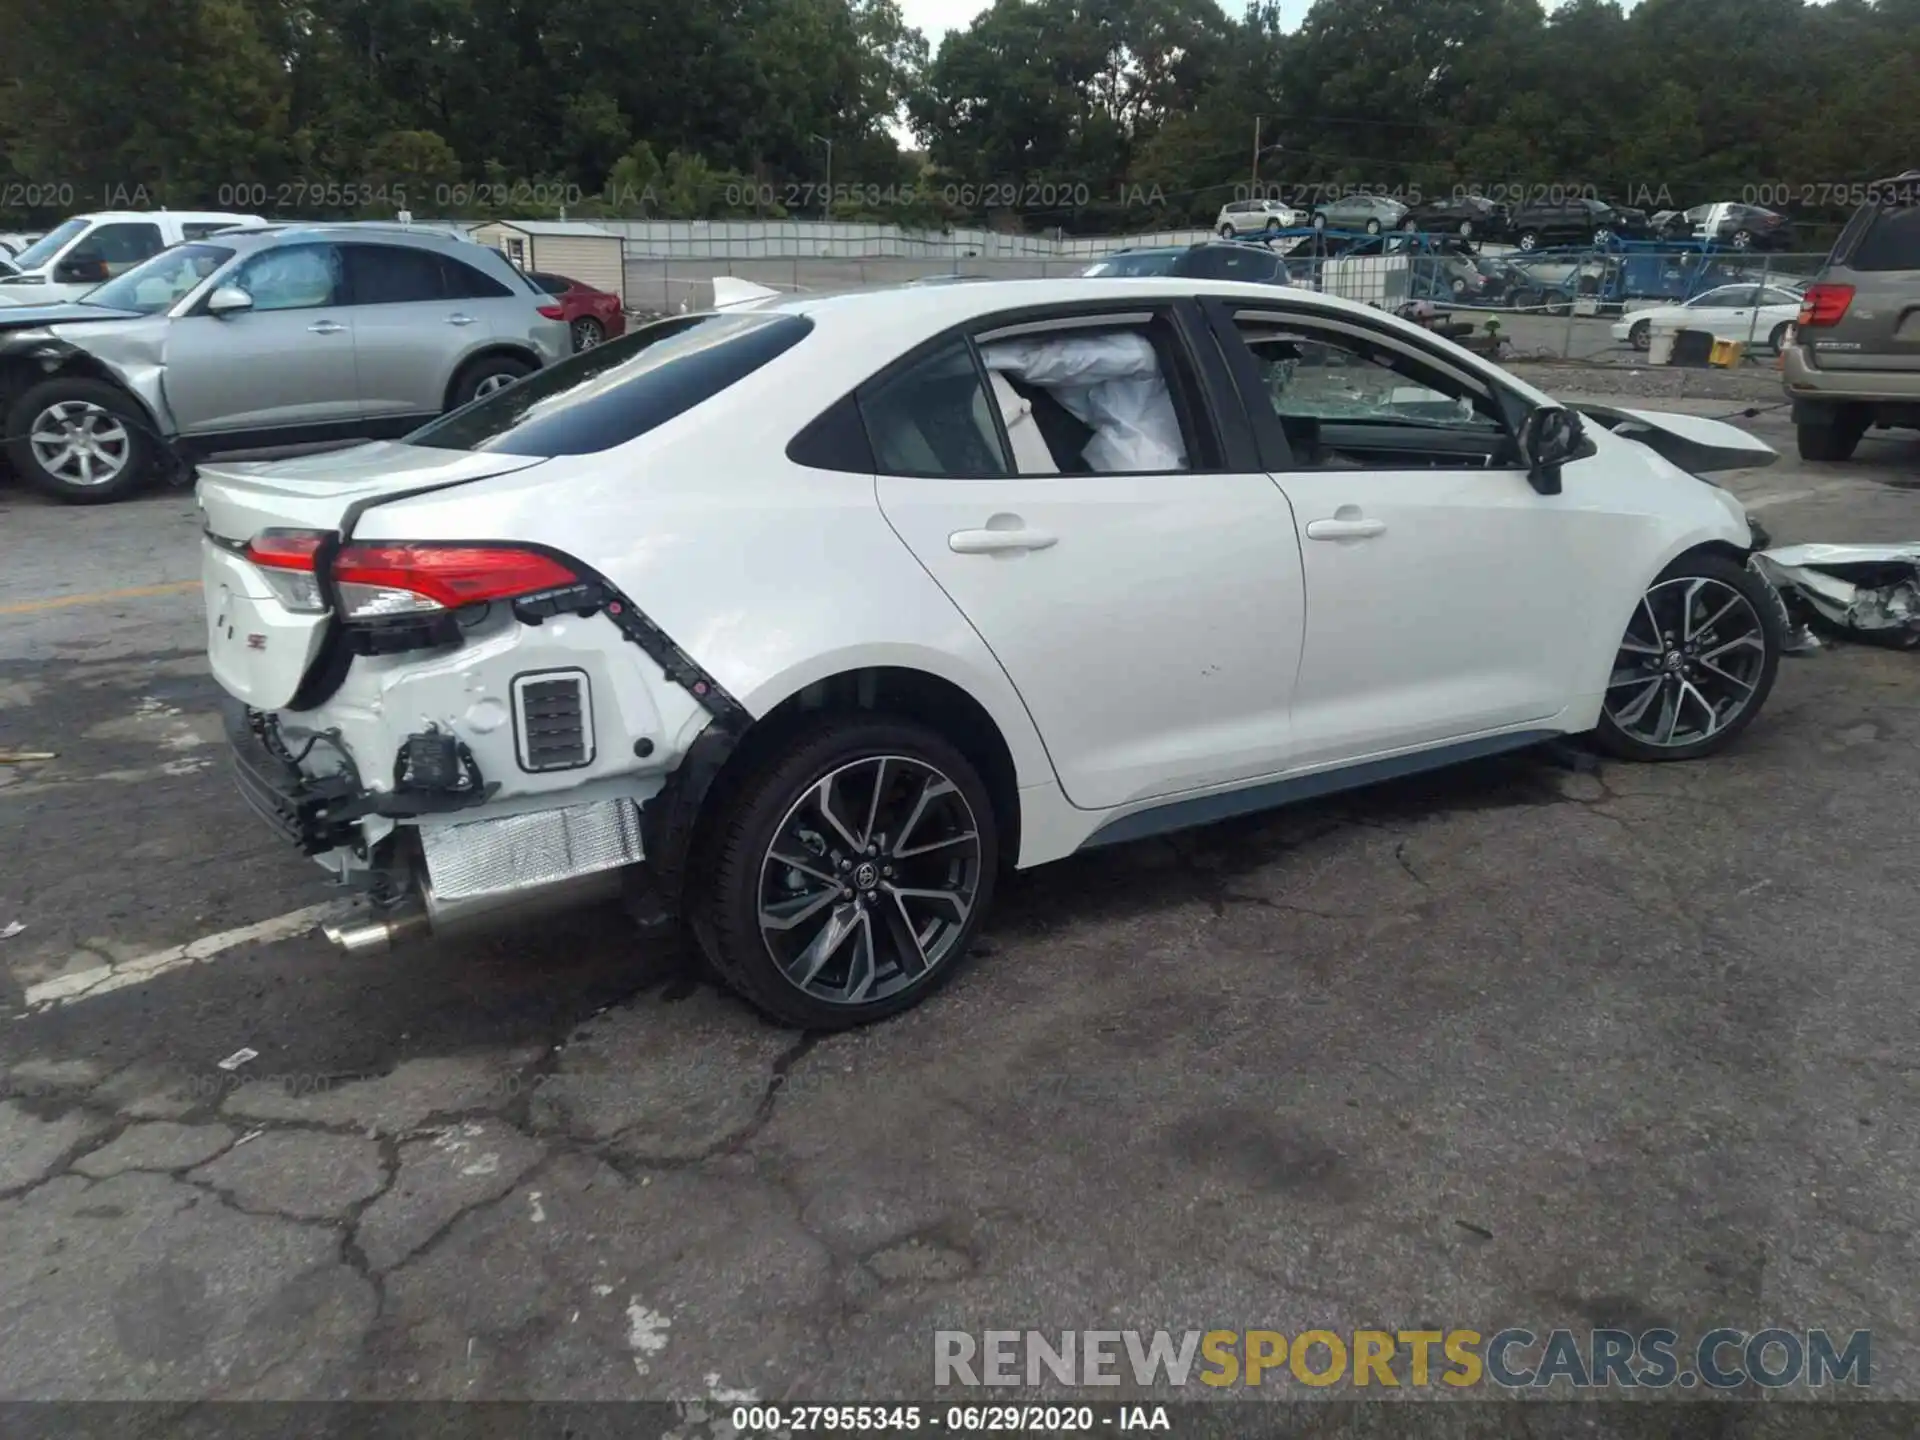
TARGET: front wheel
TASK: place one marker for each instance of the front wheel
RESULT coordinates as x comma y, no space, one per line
849,874
1640,337
1373,227
1226,232
1743,239
1529,240
1696,662
80,440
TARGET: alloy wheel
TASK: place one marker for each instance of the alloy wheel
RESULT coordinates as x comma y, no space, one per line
490,383
1689,664
869,881
586,333
80,443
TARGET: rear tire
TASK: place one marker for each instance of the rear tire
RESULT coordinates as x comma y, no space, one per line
1226,232
113,433
487,374
1373,227
753,905
1834,438
587,332
1724,671
1777,341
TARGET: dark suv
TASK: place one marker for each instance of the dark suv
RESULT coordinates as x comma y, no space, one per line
1574,221
1854,360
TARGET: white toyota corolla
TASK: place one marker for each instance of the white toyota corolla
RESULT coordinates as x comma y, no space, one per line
796,621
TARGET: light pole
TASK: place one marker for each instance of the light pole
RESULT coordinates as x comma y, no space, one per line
826,205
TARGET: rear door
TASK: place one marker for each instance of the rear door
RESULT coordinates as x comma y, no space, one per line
286,362
409,331
1138,579
1879,256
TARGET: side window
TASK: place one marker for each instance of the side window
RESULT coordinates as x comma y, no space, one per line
200,229
293,277
394,274
1343,401
932,418
120,246
1113,399
552,284
463,282
1778,297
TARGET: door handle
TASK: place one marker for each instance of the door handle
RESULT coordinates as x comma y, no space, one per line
326,327
999,542
1345,529
460,319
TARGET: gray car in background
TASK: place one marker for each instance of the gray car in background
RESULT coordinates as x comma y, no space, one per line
263,339
1854,360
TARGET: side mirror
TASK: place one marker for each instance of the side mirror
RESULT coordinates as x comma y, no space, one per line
80,272
229,300
1549,438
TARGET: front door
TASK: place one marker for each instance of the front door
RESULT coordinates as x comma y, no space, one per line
1443,592
1064,487
286,362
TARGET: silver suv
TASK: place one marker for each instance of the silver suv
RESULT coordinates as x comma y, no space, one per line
1854,360
262,339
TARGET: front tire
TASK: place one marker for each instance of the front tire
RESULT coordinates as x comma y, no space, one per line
849,873
1695,664
1226,232
1640,337
1373,227
81,441
1529,240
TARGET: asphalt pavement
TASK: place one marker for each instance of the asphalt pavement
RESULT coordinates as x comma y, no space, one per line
1526,1043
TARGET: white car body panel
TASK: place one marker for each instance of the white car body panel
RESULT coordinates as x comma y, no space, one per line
38,287
1179,641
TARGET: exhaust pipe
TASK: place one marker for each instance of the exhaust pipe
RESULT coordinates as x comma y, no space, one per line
423,913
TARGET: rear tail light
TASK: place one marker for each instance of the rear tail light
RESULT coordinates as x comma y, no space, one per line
554,312
381,581
1824,305
286,560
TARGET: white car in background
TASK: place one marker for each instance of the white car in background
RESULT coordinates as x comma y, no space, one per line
88,250
1752,314
1253,217
798,621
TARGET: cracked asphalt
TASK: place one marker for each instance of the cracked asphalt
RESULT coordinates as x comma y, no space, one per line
1529,1042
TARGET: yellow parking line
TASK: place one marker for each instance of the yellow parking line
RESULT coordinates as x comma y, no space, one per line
100,597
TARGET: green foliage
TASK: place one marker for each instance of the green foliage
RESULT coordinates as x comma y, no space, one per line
1081,115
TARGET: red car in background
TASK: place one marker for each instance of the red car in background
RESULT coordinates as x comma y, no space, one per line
591,315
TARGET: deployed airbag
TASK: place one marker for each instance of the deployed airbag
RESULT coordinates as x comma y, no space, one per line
1111,383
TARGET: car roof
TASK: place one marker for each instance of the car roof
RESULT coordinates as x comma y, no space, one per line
261,236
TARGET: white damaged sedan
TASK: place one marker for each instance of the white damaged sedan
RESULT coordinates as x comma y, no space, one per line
798,621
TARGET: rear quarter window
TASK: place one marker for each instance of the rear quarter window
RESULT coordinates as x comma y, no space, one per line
614,392
1887,240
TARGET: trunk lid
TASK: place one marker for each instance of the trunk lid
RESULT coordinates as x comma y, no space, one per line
259,649
322,492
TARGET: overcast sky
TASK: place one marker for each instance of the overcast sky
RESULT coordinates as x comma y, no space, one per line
936,17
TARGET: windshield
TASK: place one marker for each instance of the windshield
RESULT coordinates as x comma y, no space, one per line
155,285
608,395
49,244
1159,263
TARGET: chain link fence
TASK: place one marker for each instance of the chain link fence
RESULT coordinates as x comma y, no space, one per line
1569,305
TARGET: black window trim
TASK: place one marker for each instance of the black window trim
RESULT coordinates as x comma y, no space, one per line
1224,313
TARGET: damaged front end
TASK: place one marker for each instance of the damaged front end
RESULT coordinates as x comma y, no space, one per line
1865,592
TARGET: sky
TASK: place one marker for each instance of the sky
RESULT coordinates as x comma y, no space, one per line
936,17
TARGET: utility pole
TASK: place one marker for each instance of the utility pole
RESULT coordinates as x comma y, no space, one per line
826,206
1256,154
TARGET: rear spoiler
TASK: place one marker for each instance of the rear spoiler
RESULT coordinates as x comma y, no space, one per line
1693,442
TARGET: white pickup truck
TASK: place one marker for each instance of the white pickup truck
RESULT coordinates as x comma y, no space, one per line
88,250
